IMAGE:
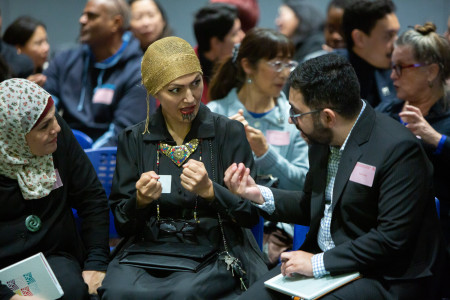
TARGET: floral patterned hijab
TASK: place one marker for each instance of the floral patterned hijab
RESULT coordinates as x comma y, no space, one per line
21,104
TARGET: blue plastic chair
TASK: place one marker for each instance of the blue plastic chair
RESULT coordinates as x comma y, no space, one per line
83,139
104,162
300,232
438,207
258,232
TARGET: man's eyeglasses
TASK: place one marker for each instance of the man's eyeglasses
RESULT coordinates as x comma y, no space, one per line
398,68
278,65
171,226
294,116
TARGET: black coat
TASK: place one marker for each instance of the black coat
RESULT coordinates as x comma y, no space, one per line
223,142
59,235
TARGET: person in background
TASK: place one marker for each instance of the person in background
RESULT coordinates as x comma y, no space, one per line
187,142
333,31
447,32
29,36
303,24
148,22
44,173
370,30
11,63
97,86
367,211
217,29
248,87
420,68
248,12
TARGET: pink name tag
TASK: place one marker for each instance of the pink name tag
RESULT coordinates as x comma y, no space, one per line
58,183
277,138
363,174
103,96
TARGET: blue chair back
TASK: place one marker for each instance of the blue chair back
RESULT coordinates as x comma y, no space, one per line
258,232
438,207
83,139
300,232
104,162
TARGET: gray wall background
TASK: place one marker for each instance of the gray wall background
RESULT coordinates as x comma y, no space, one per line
61,16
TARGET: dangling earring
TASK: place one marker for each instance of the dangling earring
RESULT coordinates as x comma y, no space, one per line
249,80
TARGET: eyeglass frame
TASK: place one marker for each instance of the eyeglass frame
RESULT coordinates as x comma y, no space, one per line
398,69
193,223
295,116
293,63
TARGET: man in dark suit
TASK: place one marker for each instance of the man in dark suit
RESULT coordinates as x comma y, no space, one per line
368,196
370,30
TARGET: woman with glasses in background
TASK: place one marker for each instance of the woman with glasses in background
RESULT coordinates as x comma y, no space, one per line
168,195
420,67
248,87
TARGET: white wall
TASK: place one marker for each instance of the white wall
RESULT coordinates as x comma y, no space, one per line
61,16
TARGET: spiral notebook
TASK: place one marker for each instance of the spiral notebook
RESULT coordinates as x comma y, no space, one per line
309,288
32,277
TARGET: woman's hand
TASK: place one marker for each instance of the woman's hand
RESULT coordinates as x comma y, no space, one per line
419,126
38,78
93,279
148,189
255,137
257,141
240,117
195,179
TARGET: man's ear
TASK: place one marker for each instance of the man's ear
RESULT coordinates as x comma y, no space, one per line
359,38
328,117
117,21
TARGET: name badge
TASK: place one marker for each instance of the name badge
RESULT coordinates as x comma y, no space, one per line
104,94
363,174
58,183
166,183
277,138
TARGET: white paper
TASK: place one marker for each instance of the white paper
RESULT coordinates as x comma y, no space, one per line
309,287
166,183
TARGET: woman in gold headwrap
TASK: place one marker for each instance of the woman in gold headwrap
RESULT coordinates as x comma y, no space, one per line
168,195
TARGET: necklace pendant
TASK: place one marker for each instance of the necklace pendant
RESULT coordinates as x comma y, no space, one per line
179,154
33,223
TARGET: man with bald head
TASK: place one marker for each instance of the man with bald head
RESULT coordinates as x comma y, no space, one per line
97,86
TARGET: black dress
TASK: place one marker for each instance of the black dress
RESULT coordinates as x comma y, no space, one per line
67,251
222,142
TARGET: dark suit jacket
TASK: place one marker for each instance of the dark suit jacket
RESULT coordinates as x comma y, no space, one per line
389,230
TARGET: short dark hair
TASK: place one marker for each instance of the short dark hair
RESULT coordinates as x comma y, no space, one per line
21,30
213,20
328,81
364,15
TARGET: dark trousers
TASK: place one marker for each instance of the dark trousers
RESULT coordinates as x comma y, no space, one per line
364,288
68,272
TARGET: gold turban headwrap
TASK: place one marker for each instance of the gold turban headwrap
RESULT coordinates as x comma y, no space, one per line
164,61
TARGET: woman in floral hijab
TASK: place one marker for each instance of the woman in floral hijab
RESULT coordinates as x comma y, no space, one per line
43,174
